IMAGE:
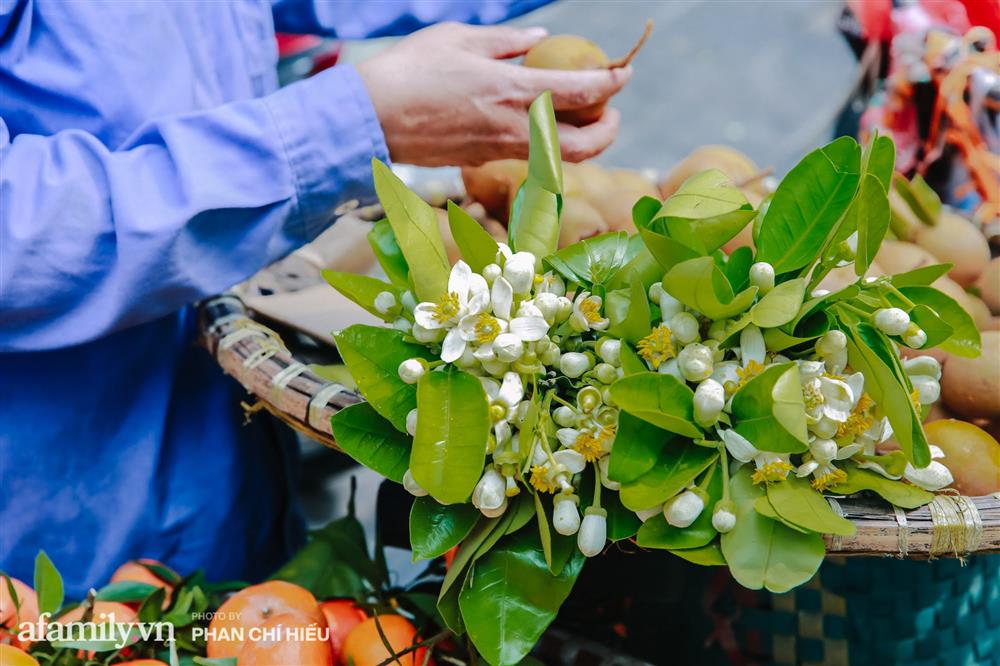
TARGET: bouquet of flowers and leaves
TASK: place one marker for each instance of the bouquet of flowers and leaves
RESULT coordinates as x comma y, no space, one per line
541,403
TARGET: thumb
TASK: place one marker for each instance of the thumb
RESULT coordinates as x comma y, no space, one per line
502,41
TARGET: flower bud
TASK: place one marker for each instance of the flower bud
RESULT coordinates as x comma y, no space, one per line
610,351
606,373
928,389
892,321
495,367
565,309
495,513
490,492
709,399
922,365
717,330
409,300
646,514
832,342
564,416
695,362
724,516
752,345
411,422
684,328
574,364
427,335
835,362
412,369
520,272
762,276
655,292
915,339
718,353
566,515
593,532
385,302
551,284
669,306
548,306
402,324
508,347
825,427
411,485
491,272
684,509
933,477
672,368
588,399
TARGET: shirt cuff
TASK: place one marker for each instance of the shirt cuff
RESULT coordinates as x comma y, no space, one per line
330,134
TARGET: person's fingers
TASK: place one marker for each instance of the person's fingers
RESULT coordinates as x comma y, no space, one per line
501,41
582,143
573,89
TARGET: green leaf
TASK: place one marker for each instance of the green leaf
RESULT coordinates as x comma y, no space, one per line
631,363
662,400
797,502
901,494
333,563
808,204
512,598
763,553
373,355
920,197
371,440
449,448
871,215
656,532
594,261
48,584
764,508
920,277
205,661
637,448
478,248
705,212
780,305
702,286
544,159
125,591
390,256
678,465
937,329
870,352
415,225
458,573
665,249
436,528
769,410
360,288
965,340
881,160
737,268
706,556
630,321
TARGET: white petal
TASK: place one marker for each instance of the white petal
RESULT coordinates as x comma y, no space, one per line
849,450
491,386
512,390
485,353
502,431
529,329
936,452
503,298
933,477
467,327
424,315
857,384
567,436
806,468
458,280
573,462
452,347
479,294
739,446
875,467
752,345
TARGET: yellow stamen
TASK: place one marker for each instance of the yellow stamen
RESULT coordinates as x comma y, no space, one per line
447,309
588,446
825,481
752,369
540,479
915,399
860,419
772,471
591,311
656,348
538,279
812,396
487,328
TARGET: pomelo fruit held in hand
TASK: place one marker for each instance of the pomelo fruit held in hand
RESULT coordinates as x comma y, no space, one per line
573,53
971,453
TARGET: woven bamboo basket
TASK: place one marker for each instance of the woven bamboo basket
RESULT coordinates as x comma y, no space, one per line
256,356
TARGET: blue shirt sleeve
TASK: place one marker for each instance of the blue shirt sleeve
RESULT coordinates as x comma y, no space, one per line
94,240
359,19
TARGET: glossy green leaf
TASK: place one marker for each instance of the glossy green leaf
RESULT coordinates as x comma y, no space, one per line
702,286
920,197
706,211
478,248
373,355
455,577
920,277
512,598
390,257
937,329
48,584
662,400
737,268
665,249
593,261
361,289
763,507
632,321
642,266
901,494
544,159
871,215
881,156
706,556
678,465
449,448
415,226
780,305
769,410
637,448
125,591
656,532
631,362
808,204
965,340
796,501
371,440
436,528
333,563
763,553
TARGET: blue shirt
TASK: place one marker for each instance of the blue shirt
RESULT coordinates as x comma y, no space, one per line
148,160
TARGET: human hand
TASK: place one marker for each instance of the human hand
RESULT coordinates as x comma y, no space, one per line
444,96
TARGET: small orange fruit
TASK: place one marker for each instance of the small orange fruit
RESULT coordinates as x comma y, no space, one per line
12,656
342,615
278,643
364,646
252,607
136,572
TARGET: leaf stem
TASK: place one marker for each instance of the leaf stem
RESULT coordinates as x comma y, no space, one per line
597,486
898,294
724,463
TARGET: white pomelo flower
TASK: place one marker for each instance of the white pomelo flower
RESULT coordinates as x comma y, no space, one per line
519,271
933,477
468,294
